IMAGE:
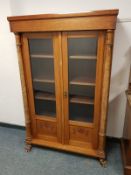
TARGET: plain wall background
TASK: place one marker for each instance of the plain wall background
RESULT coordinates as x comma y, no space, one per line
11,104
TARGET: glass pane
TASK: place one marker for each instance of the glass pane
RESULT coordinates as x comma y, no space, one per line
81,112
82,55
42,68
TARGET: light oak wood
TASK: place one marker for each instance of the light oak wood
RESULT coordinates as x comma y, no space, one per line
57,59
83,124
55,81
41,56
44,96
46,118
85,151
82,34
55,129
65,24
88,21
105,88
82,81
82,57
98,89
65,87
43,80
24,91
29,86
46,130
81,100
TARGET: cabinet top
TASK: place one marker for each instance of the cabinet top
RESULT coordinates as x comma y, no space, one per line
69,15
95,20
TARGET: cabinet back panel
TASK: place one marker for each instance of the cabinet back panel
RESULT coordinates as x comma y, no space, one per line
85,69
81,112
82,46
45,107
39,46
43,69
82,91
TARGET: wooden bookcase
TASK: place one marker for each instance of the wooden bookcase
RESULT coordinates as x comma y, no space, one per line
65,64
126,141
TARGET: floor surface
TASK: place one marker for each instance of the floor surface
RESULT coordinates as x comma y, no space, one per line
42,161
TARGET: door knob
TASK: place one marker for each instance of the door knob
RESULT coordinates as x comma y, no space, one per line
65,94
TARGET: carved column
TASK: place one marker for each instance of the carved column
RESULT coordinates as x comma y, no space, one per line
105,90
24,93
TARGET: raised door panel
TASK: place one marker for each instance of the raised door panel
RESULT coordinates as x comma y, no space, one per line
41,63
82,74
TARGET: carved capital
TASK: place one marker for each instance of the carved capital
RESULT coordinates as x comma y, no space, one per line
109,37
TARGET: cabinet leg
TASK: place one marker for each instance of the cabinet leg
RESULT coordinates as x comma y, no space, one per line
103,162
28,147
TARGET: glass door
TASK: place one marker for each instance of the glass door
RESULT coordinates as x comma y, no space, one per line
42,68
81,84
40,63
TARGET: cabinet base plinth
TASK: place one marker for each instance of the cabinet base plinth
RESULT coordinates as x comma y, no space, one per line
74,149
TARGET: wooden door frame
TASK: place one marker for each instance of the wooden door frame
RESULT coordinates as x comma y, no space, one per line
98,89
28,77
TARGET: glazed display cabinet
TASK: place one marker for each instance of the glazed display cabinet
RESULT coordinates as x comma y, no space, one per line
65,65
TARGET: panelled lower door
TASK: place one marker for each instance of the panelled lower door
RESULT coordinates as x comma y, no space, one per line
41,65
82,74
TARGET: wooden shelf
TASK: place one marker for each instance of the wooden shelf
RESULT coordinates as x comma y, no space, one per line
81,100
47,114
83,57
43,80
44,96
41,56
82,81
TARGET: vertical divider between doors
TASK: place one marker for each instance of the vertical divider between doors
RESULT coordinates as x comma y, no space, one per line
65,87
58,82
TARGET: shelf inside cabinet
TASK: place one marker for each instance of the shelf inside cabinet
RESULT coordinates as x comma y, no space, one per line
43,56
82,81
48,114
81,100
43,80
83,57
44,96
